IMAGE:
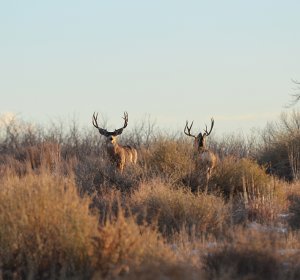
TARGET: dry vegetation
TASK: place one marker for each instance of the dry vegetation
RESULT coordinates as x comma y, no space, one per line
65,213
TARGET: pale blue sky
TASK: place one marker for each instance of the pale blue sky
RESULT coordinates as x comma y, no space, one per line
172,60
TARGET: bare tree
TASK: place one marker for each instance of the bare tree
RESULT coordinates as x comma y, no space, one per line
280,148
295,96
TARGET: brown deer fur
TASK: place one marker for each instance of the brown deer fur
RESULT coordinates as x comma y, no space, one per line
119,155
205,159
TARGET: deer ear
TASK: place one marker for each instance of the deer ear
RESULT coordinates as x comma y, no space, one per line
118,131
103,131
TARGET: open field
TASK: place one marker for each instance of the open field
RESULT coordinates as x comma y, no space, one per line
67,213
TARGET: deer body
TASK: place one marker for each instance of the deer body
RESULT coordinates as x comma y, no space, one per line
205,163
119,155
205,159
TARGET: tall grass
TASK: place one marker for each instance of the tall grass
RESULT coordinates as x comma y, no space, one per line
86,221
175,209
123,245
48,231
169,159
44,224
293,197
233,175
253,254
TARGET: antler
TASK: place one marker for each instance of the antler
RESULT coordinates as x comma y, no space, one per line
95,124
104,132
187,129
211,127
120,130
94,121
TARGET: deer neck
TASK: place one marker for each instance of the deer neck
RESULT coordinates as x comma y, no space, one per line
202,149
113,147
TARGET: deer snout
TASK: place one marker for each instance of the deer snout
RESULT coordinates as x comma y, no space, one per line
111,140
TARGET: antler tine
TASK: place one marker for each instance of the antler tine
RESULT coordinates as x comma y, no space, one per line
120,130
211,127
95,123
102,131
125,119
188,129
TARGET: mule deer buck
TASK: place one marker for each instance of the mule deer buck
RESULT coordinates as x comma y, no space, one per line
119,155
206,160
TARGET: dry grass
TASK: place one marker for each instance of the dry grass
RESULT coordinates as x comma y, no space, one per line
123,246
233,175
47,231
168,159
177,208
45,225
293,196
143,224
254,254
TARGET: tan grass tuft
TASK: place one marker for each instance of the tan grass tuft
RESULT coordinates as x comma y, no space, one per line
44,224
177,208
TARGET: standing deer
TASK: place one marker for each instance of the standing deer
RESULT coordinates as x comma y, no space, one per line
205,159
120,155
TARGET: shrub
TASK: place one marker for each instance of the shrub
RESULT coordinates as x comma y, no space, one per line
177,208
294,207
94,174
45,225
266,209
47,231
250,255
233,175
258,196
242,263
168,159
280,148
123,245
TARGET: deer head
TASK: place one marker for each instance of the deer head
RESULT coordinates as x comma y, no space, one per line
111,136
200,139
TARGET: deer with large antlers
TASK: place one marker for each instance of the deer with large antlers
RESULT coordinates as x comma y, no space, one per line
119,155
206,160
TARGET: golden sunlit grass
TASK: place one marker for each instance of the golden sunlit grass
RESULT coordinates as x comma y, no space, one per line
144,224
168,159
48,230
44,223
123,245
234,175
178,208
